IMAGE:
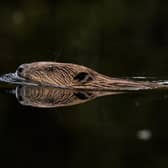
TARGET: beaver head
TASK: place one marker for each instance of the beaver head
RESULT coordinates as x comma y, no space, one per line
61,74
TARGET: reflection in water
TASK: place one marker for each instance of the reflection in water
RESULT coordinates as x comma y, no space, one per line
47,97
33,94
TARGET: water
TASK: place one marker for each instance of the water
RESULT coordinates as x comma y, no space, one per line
116,38
42,95
119,130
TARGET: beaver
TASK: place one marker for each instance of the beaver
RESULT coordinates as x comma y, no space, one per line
73,76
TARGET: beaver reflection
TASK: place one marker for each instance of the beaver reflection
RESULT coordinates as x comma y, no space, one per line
47,97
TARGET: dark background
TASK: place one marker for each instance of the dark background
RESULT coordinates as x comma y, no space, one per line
115,37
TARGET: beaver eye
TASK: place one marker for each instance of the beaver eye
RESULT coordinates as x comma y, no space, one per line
20,69
83,77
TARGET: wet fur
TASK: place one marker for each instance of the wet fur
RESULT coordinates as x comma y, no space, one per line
75,76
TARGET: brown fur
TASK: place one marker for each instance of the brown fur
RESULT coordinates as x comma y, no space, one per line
67,75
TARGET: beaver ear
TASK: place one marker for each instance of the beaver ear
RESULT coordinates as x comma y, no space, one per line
83,77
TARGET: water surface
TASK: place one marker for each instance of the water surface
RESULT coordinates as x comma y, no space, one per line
120,130
116,38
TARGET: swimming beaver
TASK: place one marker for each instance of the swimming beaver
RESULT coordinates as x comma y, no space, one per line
73,76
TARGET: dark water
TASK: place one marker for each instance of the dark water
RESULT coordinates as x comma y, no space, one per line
124,130
117,38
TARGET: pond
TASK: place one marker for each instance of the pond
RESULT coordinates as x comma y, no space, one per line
116,38
118,130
